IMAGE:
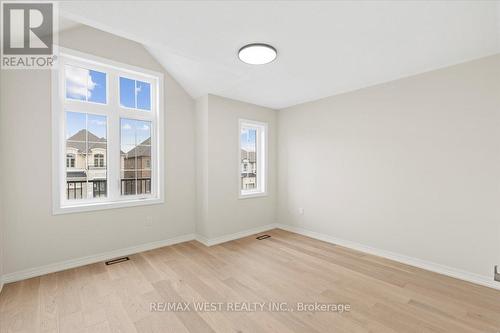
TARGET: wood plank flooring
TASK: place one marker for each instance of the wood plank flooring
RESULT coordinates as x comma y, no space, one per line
287,268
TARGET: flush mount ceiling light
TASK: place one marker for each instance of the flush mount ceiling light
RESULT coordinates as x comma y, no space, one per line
257,54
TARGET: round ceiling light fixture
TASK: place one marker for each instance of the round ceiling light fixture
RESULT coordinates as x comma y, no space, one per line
257,54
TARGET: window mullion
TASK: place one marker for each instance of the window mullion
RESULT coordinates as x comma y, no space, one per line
114,140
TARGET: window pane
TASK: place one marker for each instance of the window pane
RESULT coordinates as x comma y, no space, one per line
97,155
128,157
143,155
248,137
135,156
128,170
127,92
143,132
85,85
143,185
143,90
127,132
97,128
75,126
128,182
97,87
76,83
86,156
135,132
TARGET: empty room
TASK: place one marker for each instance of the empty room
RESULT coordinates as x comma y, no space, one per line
250,166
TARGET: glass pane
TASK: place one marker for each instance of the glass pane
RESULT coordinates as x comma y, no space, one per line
97,87
85,85
76,171
143,132
75,157
127,132
135,132
98,154
144,173
99,188
128,172
127,92
248,137
75,126
86,156
143,90
128,157
97,128
76,82
144,185
135,156
128,182
143,154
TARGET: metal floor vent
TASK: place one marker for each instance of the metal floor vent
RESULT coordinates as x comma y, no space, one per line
261,237
117,260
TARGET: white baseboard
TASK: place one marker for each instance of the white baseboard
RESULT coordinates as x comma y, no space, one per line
226,238
72,263
427,265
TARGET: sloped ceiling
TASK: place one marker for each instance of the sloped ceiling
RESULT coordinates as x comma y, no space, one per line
324,48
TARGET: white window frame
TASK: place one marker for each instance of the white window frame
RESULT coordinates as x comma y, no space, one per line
262,153
113,112
70,158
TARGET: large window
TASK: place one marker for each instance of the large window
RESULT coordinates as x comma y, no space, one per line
107,120
252,158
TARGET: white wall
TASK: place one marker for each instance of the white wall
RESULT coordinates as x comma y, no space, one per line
33,236
2,242
221,211
411,166
201,144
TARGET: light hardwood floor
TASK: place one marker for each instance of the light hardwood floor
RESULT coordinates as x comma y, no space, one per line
384,296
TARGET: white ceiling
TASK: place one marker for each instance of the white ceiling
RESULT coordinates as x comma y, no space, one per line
324,48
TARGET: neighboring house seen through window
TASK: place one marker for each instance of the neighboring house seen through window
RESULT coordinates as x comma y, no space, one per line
252,158
110,115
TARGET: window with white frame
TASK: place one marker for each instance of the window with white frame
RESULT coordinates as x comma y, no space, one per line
107,120
252,158
70,161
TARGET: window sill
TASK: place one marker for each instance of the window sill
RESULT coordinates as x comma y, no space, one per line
86,207
250,195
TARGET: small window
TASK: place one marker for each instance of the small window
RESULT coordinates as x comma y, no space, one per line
252,158
70,161
98,160
85,85
135,94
